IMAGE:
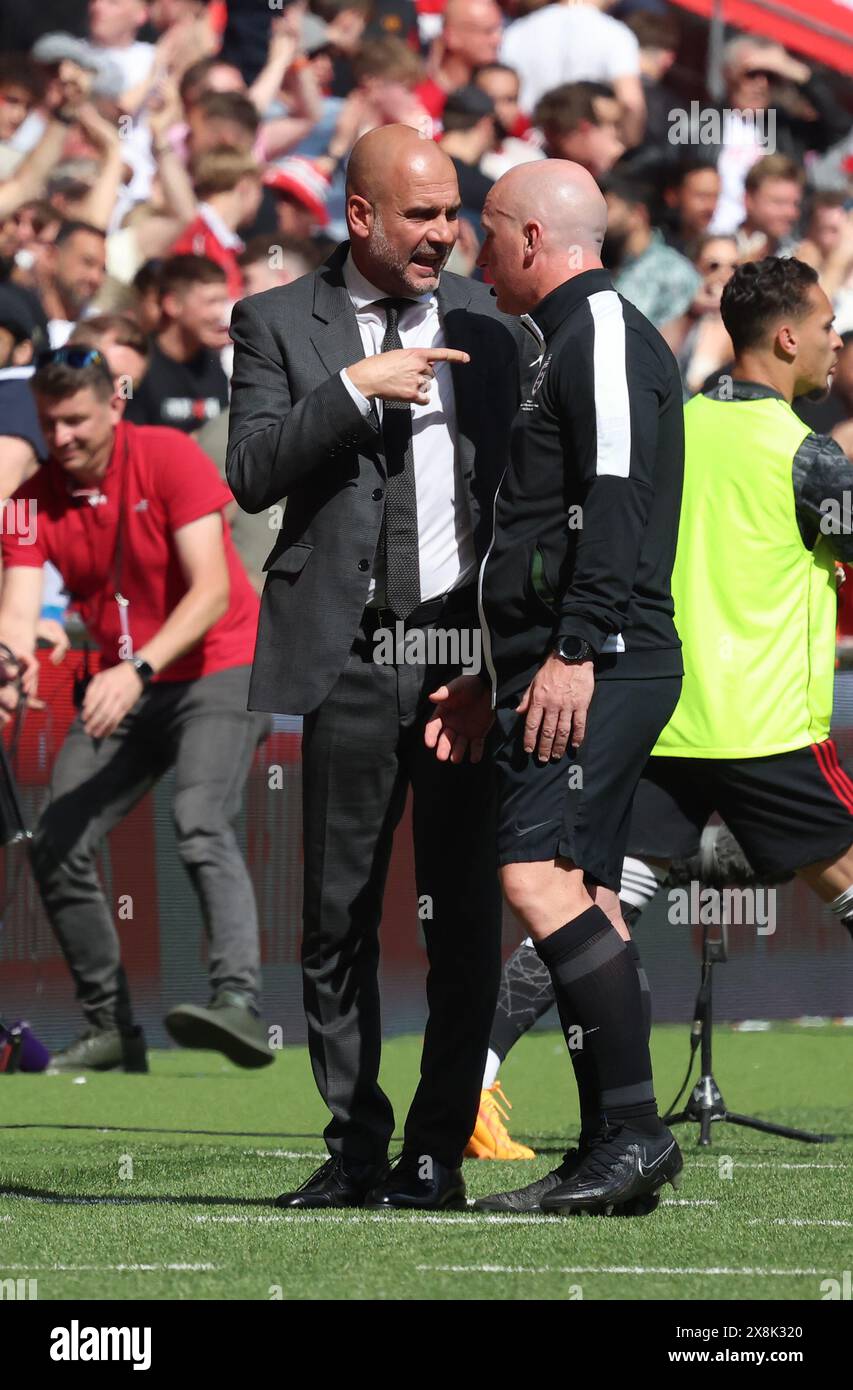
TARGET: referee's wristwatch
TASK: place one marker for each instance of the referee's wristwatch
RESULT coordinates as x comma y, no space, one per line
572,650
142,669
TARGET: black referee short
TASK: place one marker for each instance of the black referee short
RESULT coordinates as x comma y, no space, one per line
786,811
579,808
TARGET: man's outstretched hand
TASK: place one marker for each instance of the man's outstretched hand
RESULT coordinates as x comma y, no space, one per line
462,719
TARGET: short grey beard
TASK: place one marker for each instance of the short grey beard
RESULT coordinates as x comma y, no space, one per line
390,258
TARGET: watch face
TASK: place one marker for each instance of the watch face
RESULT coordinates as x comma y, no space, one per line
572,648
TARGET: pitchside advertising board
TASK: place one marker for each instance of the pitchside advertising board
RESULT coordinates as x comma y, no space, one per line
802,968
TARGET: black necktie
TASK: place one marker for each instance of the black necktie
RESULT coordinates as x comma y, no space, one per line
400,517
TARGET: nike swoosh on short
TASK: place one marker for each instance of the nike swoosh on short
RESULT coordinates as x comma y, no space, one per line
644,1172
528,828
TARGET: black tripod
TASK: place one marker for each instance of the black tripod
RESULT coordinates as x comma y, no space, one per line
706,1104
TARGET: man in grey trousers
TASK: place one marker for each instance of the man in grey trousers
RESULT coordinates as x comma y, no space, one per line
133,519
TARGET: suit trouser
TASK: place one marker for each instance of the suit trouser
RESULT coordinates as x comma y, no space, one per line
205,730
361,751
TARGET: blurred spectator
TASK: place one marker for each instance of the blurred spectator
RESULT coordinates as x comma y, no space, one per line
268,264
388,77
699,338
74,272
470,39
146,284
21,89
753,70
229,186
659,281
828,246
347,21
113,27
690,197
514,131
658,36
469,133
22,445
301,191
568,43
836,408
185,384
220,119
122,343
36,227
772,197
580,121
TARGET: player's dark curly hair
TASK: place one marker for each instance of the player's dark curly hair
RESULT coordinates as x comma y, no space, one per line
760,293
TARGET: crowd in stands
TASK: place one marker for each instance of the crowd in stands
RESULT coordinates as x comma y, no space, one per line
161,160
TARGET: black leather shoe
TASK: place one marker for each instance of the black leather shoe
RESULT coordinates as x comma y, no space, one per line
419,1183
340,1182
624,1167
230,1024
103,1049
529,1198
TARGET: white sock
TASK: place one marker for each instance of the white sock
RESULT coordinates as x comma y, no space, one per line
640,882
493,1066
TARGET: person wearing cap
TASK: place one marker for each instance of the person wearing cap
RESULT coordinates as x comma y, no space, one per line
301,193
469,134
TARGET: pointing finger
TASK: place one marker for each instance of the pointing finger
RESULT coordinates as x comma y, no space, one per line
446,355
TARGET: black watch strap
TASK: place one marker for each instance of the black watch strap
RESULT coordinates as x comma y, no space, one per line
573,649
142,669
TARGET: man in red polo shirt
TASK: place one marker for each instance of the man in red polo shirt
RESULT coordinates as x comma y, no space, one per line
134,520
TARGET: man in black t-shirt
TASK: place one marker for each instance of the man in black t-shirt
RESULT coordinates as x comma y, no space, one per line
185,385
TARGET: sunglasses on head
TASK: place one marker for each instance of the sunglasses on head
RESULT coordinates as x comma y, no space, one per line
75,357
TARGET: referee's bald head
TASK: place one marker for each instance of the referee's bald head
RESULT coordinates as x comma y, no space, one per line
544,222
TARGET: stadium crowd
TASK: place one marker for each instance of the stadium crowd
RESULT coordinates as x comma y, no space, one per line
162,160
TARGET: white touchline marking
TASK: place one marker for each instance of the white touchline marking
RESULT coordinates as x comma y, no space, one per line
117,1269
690,1202
746,1163
611,1269
794,1221
279,1153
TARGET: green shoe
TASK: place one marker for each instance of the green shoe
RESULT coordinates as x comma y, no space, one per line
103,1049
229,1025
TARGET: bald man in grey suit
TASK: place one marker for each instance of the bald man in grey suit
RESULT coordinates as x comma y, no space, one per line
376,395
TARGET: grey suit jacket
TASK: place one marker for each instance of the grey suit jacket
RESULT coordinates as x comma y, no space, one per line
296,433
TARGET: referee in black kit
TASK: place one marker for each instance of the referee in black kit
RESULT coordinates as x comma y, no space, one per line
585,658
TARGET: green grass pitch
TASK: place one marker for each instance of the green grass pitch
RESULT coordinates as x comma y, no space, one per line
161,1186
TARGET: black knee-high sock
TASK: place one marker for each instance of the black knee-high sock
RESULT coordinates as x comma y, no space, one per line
526,993
582,1062
596,984
631,915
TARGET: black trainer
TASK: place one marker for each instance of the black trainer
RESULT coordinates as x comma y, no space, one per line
529,1198
624,1167
103,1049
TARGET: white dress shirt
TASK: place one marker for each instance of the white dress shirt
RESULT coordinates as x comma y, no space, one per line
445,542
